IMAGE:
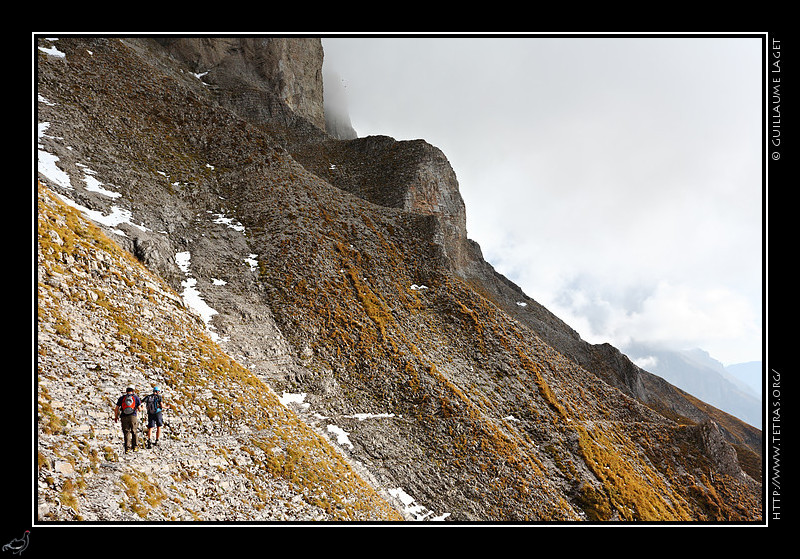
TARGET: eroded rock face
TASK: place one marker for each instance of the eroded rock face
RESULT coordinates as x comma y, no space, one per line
719,450
411,176
254,72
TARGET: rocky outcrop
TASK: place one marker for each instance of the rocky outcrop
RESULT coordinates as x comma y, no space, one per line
259,77
719,450
411,176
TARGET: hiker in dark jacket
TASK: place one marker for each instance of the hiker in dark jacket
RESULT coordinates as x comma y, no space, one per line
126,411
154,403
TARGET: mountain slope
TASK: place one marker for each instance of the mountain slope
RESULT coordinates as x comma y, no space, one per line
231,451
341,270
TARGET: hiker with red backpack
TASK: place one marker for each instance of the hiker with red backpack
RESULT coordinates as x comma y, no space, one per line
126,412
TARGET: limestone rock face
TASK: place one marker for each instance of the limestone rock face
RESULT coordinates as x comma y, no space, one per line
412,176
719,451
254,72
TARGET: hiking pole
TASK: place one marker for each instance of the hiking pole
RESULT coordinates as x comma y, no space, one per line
143,423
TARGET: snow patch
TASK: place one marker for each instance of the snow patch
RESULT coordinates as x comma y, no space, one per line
94,185
47,161
52,51
417,512
252,261
341,435
192,297
364,416
298,399
228,221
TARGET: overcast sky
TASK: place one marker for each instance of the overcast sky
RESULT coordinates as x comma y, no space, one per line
617,181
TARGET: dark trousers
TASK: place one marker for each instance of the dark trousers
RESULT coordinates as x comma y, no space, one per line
129,424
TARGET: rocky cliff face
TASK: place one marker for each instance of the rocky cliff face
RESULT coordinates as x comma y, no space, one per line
260,78
340,270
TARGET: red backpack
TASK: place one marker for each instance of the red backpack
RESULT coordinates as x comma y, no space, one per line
128,404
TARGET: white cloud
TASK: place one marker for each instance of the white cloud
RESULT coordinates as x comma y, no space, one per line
717,319
648,363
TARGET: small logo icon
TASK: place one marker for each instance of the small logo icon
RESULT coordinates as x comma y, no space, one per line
18,545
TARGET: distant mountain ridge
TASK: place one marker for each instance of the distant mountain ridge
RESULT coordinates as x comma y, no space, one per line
750,374
339,270
699,374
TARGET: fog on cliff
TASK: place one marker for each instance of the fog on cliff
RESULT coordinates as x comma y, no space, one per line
616,180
